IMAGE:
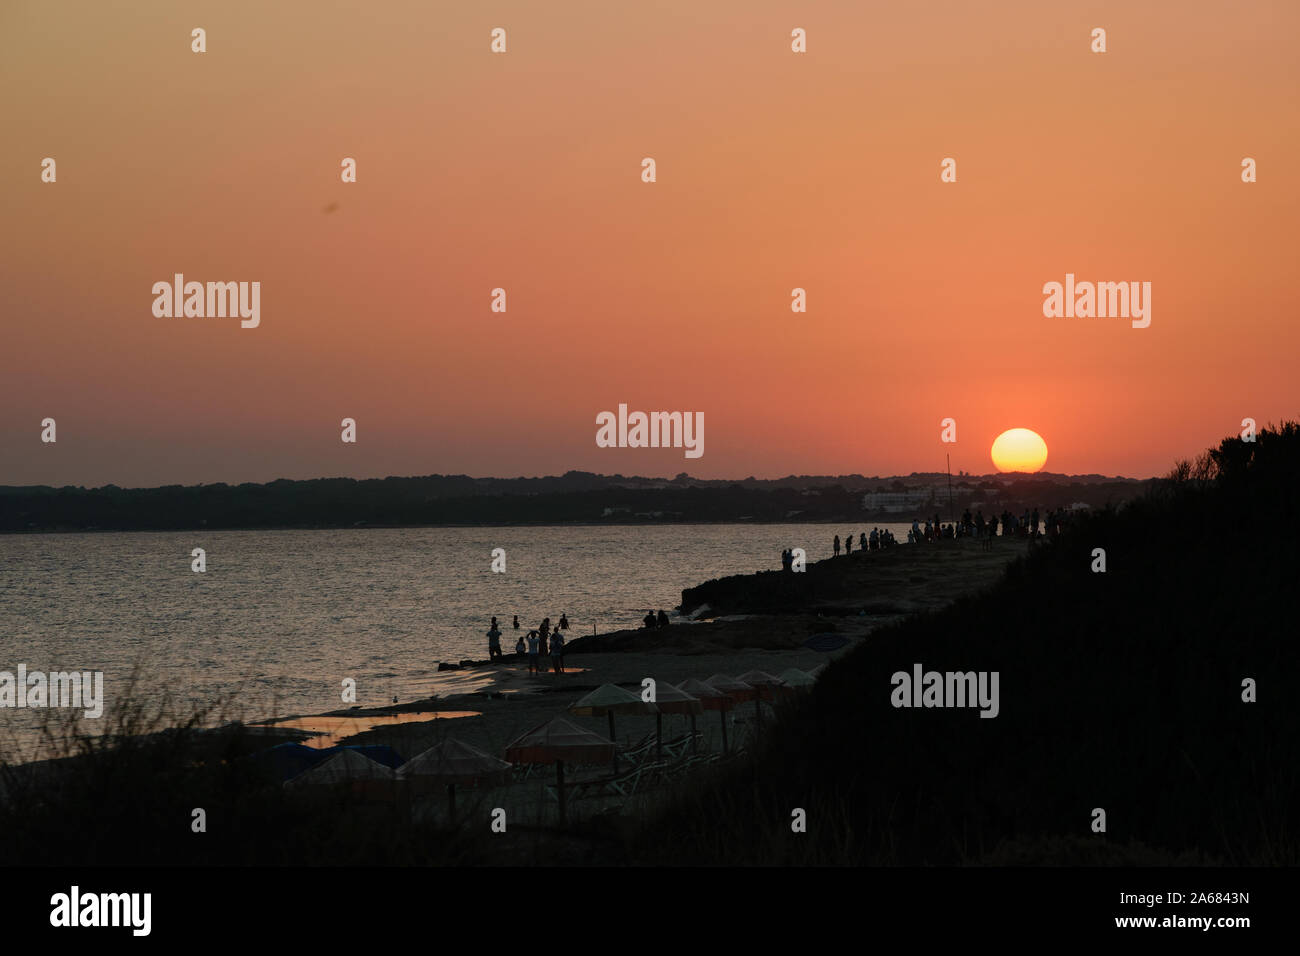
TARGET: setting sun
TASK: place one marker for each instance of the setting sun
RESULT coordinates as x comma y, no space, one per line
1019,449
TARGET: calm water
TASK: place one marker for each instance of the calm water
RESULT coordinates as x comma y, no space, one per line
284,616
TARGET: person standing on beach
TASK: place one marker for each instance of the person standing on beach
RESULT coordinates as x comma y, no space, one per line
516,622
564,622
494,641
544,633
837,546
532,653
848,543
557,652
519,646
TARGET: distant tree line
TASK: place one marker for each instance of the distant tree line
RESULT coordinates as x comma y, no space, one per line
576,497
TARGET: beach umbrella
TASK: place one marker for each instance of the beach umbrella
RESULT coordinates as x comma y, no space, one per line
766,684
558,741
608,700
796,679
710,698
737,690
672,700
350,768
344,767
379,753
453,762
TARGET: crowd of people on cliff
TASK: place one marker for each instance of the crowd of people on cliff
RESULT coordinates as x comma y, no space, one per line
1029,524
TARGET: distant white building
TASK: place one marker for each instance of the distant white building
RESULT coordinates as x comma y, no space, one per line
892,501
922,496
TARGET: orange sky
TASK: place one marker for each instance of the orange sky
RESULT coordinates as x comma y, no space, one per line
522,170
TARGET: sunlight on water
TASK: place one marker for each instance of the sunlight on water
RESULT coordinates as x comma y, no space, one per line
331,730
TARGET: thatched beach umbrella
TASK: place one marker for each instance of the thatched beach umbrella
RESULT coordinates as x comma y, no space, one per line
796,679
350,768
673,700
710,698
452,762
558,741
765,682
737,690
767,686
608,700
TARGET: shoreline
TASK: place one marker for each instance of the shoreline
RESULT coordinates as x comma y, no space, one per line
852,597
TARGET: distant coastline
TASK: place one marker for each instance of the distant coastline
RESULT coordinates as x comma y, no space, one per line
577,499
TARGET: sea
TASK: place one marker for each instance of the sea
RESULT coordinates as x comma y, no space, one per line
280,619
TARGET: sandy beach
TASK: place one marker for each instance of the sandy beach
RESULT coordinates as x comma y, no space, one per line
489,705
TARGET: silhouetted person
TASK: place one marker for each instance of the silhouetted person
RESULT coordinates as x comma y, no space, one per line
533,639
837,546
516,622
564,622
663,618
649,619
494,641
557,652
